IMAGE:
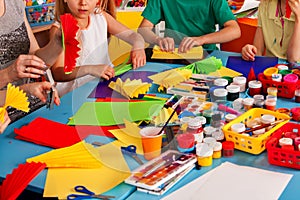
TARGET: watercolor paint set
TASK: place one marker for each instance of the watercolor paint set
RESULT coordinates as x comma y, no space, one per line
156,174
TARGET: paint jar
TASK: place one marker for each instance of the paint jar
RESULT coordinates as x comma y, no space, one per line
230,117
217,150
290,78
237,104
297,142
254,87
221,82
272,91
210,141
238,127
267,119
277,77
270,104
297,95
185,141
285,72
208,130
282,67
208,114
284,111
204,154
296,113
240,81
228,148
216,120
269,71
233,92
259,131
285,141
248,103
220,95
253,122
218,134
195,128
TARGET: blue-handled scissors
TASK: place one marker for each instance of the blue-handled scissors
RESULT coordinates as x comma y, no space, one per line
89,194
131,151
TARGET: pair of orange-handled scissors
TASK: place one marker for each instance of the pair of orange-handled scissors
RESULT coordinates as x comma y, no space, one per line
89,194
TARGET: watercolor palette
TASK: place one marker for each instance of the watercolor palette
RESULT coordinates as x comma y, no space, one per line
157,172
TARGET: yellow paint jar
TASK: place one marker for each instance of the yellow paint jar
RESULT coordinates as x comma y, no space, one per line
217,150
204,154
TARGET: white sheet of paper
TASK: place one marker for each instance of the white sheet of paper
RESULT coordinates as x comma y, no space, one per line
248,4
230,181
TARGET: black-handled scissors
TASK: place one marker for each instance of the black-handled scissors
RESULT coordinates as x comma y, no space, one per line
131,151
89,194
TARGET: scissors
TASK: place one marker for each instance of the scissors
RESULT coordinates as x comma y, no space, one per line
131,151
89,194
50,94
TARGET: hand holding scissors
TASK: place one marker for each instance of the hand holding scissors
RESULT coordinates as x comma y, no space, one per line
131,151
89,194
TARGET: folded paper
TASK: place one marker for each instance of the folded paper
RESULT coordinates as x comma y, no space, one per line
164,115
194,53
205,66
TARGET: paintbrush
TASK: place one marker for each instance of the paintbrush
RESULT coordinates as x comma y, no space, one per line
263,126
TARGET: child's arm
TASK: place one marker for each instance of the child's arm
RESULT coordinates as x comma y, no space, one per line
114,27
293,52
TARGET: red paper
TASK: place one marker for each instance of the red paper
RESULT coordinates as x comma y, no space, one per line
70,43
56,135
17,181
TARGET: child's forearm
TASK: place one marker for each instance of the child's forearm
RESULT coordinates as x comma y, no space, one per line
293,52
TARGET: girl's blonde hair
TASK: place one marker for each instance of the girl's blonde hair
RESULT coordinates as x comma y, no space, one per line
108,6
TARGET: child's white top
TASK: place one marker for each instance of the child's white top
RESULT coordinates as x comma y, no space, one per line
94,51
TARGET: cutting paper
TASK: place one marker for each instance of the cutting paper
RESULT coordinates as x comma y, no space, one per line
70,41
171,77
102,90
130,135
15,97
113,171
112,113
205,66
233,182
259,65
130,88
17,181
80,155
194,53
164,115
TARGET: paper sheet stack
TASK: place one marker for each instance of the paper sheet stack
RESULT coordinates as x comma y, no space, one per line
194,53
171,77
16,98
130,88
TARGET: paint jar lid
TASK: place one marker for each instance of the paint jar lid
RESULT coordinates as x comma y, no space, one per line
201,119
221,82
258,97
270,102
269,71
285,141
254,84
210,141
185,120
230,117
282,67
238,127
290,78
204,150
266,119
259,131
248,101
217,146
208,130
233,88
220,92
240,80
228,145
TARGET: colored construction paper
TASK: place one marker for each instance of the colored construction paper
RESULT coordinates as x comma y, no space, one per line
259,65
60,182
112,113
224,71
205,66
164,115
130,135
194,53
18,180
102,90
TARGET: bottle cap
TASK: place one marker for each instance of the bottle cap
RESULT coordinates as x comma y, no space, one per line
220,82
269,71
282,67
248,101
238,127
194,124
266,119
228,145
220,92
233,88
285,141
217,146
240,80
230,117
254,84
290,78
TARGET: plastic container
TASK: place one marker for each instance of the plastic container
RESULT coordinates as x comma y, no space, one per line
248,103
228,148
221,82
285,89
269,71
217,150
255,87
233,92
272,91
204,154
240,81
39,15
281,156
220,95
290,78
253,145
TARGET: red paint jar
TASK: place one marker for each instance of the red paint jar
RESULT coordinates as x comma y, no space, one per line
228,148
254,87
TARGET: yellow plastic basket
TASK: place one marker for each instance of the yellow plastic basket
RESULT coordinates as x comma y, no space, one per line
254,145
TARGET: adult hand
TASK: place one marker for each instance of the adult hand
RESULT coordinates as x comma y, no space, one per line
187,43
26,66
39,89
166,44
5,123
248,52
137,58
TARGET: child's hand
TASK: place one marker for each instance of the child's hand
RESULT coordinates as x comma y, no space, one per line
39,89
166,44
187,43
248,52
137,58
5,123
101,71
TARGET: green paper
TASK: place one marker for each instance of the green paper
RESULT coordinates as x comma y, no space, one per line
122,68
205,66
112,113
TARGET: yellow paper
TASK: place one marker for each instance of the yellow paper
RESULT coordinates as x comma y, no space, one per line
194,53
224,71
130,88
130,135
164,115
82,155
15,97
113,171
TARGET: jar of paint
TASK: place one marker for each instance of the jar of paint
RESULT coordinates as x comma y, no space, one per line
220,95
208,130
230,117
221,82
228,148
185,141
208,114
204,154
297,95
240,81
277,77
195,128
254,87
210,141
272,91
297,142
282,67
269,71
285,141
270,104
218,134
233,92
248,103
238,127
290,78
217,150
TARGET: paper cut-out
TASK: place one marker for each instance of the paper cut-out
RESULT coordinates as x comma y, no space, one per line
130,88
70,41
205,66
164,115
194,53
15,97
